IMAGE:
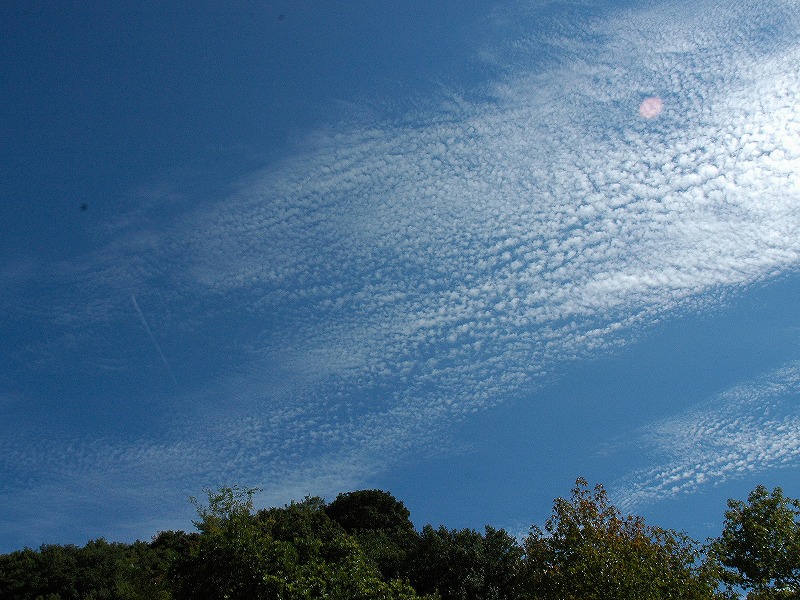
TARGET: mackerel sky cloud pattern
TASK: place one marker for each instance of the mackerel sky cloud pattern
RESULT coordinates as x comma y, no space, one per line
392,278
747,429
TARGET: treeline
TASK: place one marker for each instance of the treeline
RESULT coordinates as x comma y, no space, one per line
363,546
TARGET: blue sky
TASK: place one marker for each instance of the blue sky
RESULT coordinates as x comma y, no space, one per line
442,250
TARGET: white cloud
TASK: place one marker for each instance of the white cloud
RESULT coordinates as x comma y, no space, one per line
397,276
747,429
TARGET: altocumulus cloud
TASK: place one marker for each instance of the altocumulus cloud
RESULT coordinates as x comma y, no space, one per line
747,429
398,276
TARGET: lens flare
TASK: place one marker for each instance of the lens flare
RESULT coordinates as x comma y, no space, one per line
651,107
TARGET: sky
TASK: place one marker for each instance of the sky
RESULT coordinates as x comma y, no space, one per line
465,252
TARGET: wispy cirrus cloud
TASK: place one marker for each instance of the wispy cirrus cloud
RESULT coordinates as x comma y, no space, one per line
393,277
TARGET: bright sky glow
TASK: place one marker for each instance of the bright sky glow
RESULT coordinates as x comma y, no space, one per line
361,289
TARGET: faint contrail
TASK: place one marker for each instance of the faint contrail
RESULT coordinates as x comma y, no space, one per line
153,339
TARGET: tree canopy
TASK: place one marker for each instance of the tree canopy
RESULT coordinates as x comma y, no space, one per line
292,554
381,525
589,549
363,546
760,544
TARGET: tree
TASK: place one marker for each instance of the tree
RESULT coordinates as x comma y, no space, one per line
142,574
590,550
760,544
370,510
100,570
293,553
382,526
465,565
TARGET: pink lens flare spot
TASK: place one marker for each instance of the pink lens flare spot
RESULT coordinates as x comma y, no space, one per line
651,107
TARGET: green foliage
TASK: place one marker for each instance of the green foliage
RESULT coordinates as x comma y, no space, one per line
143,574
590,550
760,544
363,546
98,571
465,565
292,553
370,510
382,526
